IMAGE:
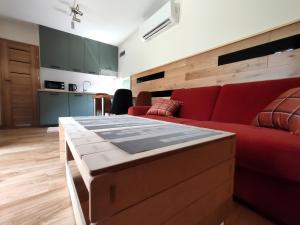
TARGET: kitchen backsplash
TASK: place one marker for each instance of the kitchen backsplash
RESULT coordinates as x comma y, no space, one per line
102,84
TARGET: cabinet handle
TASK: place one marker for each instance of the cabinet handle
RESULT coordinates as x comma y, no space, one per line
91,72
78,95
55,67
76,70
54,94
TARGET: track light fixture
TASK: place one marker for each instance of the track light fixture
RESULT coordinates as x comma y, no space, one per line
75,11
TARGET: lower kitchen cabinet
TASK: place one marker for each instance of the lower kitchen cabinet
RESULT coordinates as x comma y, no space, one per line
80,105
54,105
90,102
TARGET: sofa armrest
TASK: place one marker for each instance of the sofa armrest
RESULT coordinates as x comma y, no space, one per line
138,110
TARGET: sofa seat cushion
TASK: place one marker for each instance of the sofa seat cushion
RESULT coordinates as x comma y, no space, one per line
169,119
138,110
269,151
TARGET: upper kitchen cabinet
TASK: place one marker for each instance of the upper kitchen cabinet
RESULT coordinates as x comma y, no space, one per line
108,57
91,57
76,53
60,50
54,48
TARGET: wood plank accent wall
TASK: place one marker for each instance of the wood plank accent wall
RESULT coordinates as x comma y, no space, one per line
203,70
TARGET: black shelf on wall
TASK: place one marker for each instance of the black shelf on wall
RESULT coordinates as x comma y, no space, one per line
150,77
278,46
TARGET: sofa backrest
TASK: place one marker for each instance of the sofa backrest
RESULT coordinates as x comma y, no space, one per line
240,103
197,103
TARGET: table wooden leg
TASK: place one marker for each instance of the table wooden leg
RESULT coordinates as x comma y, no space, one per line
103,107
95,109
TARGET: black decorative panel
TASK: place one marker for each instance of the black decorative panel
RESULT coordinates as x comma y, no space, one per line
154,76
270,48
166,93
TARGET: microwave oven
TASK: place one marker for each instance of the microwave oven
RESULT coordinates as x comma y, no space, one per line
54,85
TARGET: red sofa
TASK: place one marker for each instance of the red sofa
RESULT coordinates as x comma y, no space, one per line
267,174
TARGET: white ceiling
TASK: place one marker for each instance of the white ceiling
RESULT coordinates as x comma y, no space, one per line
108,21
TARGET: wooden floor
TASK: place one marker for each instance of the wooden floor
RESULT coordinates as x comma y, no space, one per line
33,186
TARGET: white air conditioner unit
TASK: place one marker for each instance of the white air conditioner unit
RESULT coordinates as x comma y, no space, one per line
164,18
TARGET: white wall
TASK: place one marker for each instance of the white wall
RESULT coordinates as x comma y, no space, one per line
204,25
19,31
101,84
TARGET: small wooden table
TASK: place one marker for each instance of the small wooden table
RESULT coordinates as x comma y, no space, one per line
124,170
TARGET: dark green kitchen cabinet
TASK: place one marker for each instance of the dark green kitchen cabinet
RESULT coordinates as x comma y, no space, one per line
91,57
76,53
91,105
52,106
80,105
64,51
54,48
108,57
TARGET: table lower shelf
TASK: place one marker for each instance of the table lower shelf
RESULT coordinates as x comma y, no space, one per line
211,208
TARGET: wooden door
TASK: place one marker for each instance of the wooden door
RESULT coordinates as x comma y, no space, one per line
20,81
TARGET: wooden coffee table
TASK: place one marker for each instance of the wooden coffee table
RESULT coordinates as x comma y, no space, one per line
125,170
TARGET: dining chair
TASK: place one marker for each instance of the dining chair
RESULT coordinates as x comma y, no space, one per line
122,100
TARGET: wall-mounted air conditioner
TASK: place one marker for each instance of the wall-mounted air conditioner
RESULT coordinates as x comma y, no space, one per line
164,18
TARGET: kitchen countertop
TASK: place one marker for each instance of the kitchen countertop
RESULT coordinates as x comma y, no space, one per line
65,91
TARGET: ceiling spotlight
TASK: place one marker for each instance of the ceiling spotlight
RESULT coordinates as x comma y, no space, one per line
76,19
76,10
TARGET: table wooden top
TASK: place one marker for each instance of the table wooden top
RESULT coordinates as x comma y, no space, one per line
98,141
103,96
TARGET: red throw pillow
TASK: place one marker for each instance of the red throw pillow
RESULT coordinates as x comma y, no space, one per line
282,113
164,107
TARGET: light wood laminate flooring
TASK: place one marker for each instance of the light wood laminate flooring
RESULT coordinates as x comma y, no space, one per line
33,187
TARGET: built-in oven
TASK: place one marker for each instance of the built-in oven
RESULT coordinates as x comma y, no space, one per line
54,85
